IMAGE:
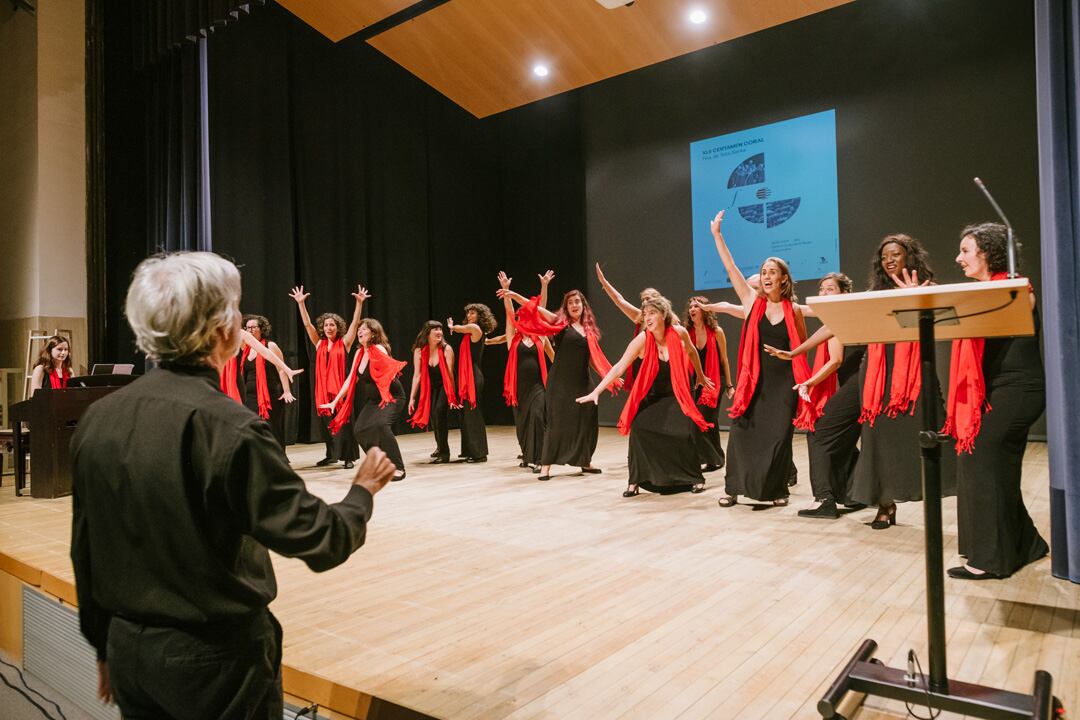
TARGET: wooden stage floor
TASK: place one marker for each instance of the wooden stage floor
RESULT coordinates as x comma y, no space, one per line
482,593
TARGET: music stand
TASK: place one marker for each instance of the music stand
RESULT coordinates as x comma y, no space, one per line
997,308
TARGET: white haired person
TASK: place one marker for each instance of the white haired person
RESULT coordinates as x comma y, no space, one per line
178,494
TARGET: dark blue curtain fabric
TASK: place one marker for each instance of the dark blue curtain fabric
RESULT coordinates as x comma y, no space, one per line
1057,45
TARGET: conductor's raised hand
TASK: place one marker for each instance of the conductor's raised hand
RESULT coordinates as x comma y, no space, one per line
374,471
714,226
299,295
778,353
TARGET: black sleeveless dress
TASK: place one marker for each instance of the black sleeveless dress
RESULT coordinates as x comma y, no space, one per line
529,412
571,428
709,448
663,451
833,446
374,426
474,444
759,458
250,392
996,533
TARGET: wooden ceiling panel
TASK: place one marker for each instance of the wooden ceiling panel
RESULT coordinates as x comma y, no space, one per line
338,19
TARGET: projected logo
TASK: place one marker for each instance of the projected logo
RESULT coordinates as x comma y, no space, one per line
751,172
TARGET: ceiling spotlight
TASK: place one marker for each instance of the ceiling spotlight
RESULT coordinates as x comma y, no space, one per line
697,16
540,70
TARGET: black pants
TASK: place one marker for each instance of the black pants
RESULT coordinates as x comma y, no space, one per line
338,447
228,670
440,423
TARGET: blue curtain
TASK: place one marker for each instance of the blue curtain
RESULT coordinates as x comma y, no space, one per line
1057,47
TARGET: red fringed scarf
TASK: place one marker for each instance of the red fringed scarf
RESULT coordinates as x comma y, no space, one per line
329,372
466,381
58,380
710,398
383,370
262,390
967,390
228,378
629,379
530,323
680,380
422,415
750,362
510,376
820,393
905,385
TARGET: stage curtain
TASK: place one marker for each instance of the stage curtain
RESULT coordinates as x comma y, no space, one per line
1057,43
163,26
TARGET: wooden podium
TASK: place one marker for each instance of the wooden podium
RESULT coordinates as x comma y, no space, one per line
52,416
973,309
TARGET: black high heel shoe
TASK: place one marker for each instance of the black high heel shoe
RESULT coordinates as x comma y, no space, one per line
884,520
630,493
398,478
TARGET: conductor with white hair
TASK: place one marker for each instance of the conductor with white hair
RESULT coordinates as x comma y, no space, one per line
178,494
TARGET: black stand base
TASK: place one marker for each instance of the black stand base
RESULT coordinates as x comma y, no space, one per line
865,674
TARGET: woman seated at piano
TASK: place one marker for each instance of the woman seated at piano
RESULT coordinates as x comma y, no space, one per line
53,368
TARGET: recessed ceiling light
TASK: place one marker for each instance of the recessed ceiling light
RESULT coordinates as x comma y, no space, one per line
540,70
697,16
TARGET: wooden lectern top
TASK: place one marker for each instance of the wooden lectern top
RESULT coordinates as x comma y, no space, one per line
888,316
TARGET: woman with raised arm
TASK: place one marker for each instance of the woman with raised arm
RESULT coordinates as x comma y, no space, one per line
332,342
53,367
263,391
479,322
660,415
571,428
524,382
996,393
433,377
631,311
381,397
889,469
765,407
710,344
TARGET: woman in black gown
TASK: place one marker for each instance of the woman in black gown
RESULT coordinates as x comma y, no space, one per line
373,382
524,382
479,322
710,342
265,393
660,415
433,388
996,533
889,469
759,457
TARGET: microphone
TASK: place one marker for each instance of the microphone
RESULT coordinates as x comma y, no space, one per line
1010,241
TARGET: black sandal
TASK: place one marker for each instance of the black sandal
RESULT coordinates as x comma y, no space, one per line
728,501
699,488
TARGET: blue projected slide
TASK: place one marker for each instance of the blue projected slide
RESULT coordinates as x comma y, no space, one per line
778,185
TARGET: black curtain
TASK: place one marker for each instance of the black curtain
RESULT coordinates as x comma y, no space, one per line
1057,43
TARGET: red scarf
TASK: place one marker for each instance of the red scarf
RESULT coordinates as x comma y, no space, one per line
383,370
967,389
510,377
466,381
530,323
58,380
820,393
905,386
228,378
630,368
262,390
329,372
422,415
750,361
710,398
680,380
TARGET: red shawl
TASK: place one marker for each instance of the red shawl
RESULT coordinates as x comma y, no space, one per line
383,370
466,381
967,390
329,372
57,380
750,362
510,377
905,386
262,390
680,380
820,393
710,398
228,378
531,323
422,415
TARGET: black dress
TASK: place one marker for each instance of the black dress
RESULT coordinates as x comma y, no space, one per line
250,394
440,412
571,428
374,426
889,468
529,412
759,458
709,449
474,443
996,532
833,446
663,452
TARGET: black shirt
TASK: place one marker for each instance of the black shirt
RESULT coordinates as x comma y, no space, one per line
177,493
